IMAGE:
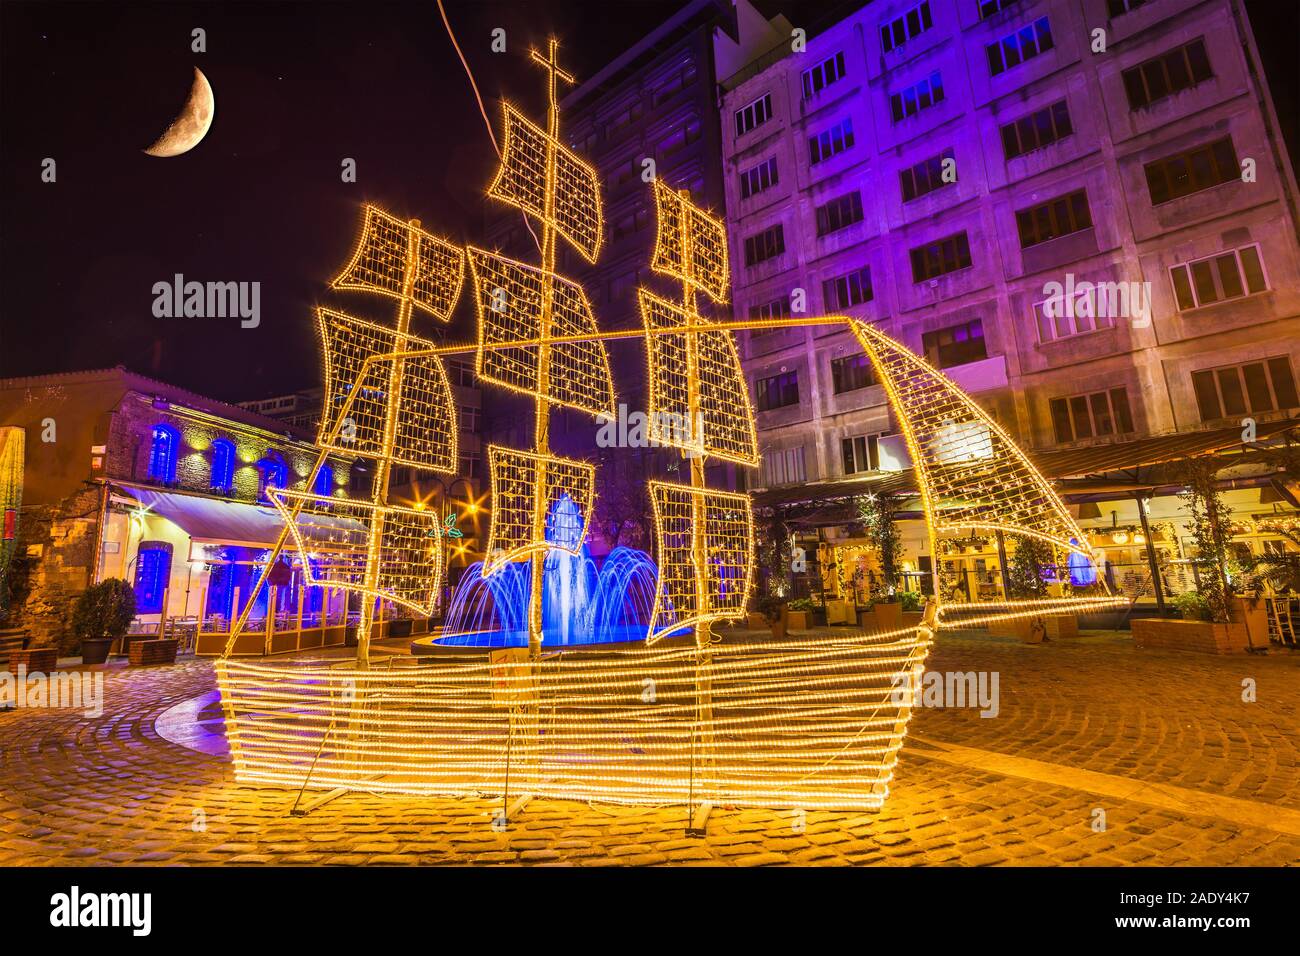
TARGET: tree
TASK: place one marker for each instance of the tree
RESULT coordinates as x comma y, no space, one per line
878,514
774,555
1211,529
1025,569
105,609
622,510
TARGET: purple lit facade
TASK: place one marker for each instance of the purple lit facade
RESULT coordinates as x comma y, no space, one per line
1122,166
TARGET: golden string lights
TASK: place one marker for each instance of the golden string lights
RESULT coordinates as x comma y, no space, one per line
812,722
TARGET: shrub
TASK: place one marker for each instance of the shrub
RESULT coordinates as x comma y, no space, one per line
911,600
105,609
1193,606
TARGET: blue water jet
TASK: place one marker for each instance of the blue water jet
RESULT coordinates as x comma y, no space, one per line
580,603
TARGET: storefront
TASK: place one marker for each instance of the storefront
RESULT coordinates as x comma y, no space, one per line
194,561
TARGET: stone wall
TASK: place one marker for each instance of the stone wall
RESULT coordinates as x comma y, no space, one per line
54,563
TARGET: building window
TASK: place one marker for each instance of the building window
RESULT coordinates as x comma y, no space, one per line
1189,172
776,309
273,472
223,465
823,75
926,176
990,7
755,114
1229,275
777,391
1069,317
470,466
919,96
1015,48
785,467
153,569
955,345
1036,130
901,29
860,453
1244,389
760,178
940,257
840,213
765,245
470,418
461,373
324,482
1117,8
850,289
830,141
851,373
1179,69
162,453
1091,416
1053,219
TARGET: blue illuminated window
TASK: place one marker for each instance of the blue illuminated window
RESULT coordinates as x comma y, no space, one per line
162,453
153,567
324,481
273,473
223,465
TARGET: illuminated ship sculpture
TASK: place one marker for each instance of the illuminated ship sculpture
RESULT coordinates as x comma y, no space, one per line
683,716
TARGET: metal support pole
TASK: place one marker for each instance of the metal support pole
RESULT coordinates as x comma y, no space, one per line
1002,565
1151,554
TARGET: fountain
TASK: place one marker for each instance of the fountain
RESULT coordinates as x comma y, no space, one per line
581,604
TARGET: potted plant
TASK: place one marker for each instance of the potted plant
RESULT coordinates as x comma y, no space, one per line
912,605
773,611
799,612
103,615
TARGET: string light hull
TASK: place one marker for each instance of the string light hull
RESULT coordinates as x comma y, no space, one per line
814,724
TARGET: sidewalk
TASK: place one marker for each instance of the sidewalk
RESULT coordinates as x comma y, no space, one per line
1099,754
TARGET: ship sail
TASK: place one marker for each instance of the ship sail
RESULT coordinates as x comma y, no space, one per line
512,300
359,357
337,536
705,544
718,420
700,404
539,502
692,245
971,474
389,249
523,181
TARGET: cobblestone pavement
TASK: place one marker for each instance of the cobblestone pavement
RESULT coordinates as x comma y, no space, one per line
1085,718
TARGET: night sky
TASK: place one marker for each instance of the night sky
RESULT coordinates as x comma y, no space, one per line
298,87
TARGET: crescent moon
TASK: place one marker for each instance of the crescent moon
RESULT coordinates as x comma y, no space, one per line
191,124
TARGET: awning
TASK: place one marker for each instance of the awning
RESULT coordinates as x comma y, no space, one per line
213,521
1156,450
1057,465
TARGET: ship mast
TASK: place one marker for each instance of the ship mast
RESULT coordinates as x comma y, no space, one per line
542,405
384,465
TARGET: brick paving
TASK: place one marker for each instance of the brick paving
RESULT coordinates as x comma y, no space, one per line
107,790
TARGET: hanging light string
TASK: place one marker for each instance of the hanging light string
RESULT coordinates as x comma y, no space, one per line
451,35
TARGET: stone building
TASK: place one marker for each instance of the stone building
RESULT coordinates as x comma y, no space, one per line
1081,210
131,477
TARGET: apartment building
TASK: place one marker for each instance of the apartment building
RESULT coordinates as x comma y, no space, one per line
1081,210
